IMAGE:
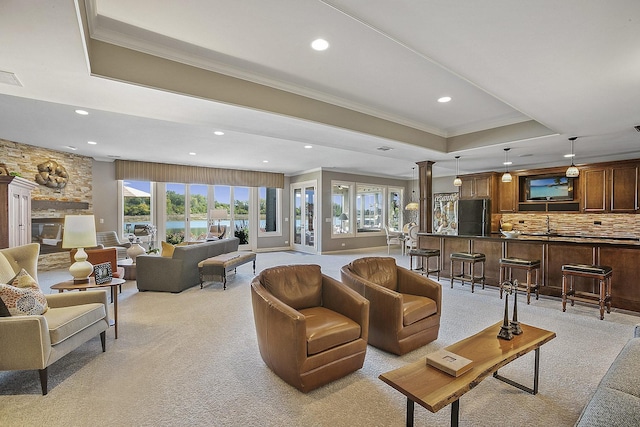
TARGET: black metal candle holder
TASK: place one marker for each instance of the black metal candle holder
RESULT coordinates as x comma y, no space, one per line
515,325
505,330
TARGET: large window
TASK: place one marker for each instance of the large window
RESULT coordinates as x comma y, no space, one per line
341,193
369,208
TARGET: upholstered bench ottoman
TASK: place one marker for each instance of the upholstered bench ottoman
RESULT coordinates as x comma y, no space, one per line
218,265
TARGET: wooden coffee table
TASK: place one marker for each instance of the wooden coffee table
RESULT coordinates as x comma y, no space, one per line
434,389
70,285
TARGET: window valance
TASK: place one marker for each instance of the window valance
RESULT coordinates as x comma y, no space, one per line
162,172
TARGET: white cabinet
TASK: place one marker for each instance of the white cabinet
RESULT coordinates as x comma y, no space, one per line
15,212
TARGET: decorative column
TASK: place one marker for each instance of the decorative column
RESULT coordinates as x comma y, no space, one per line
425,195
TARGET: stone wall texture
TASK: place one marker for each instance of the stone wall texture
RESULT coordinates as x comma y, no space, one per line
24,159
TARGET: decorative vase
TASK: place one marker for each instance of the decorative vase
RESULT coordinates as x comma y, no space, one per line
134,250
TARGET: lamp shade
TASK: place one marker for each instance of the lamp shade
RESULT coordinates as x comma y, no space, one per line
79,231
412,206
218,214
572,172
506,177
457,181
343,217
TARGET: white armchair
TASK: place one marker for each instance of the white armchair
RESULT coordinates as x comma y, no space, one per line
393,238
37,341
411,241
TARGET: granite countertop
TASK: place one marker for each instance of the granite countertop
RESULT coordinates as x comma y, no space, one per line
549,238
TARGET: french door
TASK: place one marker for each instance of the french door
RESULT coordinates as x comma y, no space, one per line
304,216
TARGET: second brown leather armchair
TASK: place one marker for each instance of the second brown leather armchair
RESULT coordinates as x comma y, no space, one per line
311,328
405,307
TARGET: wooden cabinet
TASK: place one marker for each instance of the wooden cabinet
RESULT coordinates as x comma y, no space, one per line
610,189
481,186
624,189
15,211
507,196
594,183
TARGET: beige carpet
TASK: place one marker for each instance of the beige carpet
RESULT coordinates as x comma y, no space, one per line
191,359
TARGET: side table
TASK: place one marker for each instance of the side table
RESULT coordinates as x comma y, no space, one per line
129,268
70,285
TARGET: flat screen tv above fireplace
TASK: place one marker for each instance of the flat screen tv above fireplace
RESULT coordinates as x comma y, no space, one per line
549,188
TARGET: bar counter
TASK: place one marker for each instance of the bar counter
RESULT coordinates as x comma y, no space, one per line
622,254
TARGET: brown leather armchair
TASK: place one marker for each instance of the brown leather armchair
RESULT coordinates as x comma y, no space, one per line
311,328
405,307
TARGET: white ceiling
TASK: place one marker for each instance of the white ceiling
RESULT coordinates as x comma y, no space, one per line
571,66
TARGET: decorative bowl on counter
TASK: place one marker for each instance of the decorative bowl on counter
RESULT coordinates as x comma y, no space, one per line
510,234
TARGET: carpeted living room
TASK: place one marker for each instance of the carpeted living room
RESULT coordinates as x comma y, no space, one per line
192,358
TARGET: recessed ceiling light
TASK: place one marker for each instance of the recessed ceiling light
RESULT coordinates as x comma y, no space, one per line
82,112
569,155
92,142
507,163
308,146
320,44
192,153
444,99
71,147
265,161
219,133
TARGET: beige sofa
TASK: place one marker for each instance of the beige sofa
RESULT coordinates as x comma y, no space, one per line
180,271
35,342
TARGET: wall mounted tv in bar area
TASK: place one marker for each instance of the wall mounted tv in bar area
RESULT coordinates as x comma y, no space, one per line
550,188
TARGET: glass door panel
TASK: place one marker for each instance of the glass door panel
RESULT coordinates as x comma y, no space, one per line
222,202
176,222
197,212
310,202
304,226
297,216
241,214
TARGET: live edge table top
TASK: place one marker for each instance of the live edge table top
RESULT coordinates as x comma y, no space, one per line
434,389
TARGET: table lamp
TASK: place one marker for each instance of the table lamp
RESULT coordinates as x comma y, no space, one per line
218,214
343,217
80,233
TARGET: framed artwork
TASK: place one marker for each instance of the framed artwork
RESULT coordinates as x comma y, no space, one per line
102,273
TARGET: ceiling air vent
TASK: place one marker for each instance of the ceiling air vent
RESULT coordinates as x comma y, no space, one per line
9,78
384,148
637,128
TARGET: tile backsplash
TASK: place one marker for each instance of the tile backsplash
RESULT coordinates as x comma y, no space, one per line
599,225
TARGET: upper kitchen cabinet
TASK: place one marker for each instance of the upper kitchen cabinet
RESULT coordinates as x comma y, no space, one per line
508,196
594,183
478,186
611,188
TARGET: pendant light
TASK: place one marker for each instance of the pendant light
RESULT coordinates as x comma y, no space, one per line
573,171
457,182
506,177
412,205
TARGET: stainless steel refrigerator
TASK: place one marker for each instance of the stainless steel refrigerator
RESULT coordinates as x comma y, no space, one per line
474,217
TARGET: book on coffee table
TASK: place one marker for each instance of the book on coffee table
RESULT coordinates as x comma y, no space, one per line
448,362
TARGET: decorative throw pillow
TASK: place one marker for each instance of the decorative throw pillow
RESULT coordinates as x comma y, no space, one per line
23,296
167,249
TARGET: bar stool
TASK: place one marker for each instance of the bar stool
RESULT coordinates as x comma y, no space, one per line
425,253
601,273
471,259
507,264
